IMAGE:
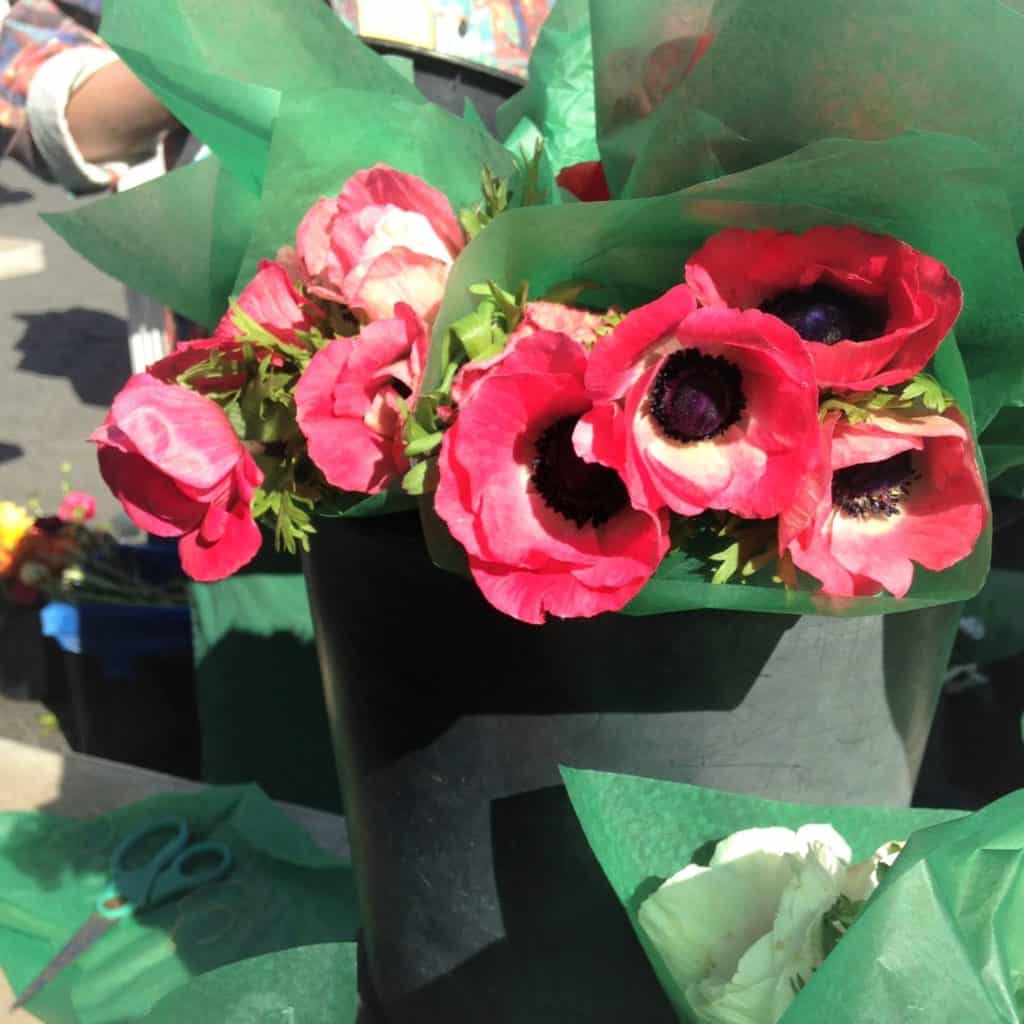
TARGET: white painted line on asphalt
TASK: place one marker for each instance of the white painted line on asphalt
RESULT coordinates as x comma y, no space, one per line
20,257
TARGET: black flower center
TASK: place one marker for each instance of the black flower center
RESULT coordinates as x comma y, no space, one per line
825,314
403,389
874,488
695,396
582,492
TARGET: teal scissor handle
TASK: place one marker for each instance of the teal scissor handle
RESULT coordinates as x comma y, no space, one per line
173,870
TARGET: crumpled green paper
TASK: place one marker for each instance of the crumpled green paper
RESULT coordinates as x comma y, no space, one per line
282,892
179,239
557,103
311,984
940,941
308,161
689,89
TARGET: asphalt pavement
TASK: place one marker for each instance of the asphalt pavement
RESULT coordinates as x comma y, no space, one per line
63,353
63,356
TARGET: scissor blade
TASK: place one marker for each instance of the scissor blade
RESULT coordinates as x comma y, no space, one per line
95,928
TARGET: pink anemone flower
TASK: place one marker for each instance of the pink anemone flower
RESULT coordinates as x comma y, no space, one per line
349,402
886,494
76,507
388,237
719,407
871,310
177,466
545,520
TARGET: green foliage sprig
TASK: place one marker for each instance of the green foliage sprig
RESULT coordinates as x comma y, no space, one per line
922,395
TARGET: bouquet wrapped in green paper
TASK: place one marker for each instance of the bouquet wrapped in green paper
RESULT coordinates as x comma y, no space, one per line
769,920
759,391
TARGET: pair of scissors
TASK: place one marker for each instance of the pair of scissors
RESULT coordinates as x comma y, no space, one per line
143,874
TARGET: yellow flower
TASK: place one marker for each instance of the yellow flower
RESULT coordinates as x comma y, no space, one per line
15,522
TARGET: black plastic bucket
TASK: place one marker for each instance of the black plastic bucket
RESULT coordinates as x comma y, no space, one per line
480,898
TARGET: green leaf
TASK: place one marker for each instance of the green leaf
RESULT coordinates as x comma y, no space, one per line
250,329
233,411
854,413
495,193
529,170
475,331
413,481
511,307
930,392
837,920
680,565
729,560
424,445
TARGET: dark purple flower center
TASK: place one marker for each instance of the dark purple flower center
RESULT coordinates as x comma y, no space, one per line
695,396
582,492
825,314
874,488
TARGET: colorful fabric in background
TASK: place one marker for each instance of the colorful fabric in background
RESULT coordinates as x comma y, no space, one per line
32,33
497,33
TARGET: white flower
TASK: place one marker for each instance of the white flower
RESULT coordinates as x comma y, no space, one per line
862,879
742,936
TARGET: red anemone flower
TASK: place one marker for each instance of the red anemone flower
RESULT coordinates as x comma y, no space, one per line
586,181
719,406
871,309
545,520
886,494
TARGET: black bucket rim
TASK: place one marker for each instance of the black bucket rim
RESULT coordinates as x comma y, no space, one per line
430,60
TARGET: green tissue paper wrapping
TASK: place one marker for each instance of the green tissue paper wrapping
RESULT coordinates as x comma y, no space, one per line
689,89
179,239
282,892
557,103
305,162
939,942
310,983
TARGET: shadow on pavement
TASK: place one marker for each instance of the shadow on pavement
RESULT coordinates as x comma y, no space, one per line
14,195
87,346
9,452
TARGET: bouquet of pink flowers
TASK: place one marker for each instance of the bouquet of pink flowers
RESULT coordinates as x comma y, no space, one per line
768,414
745,393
